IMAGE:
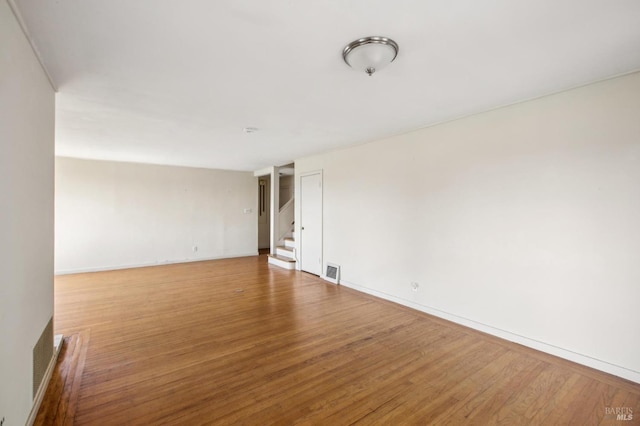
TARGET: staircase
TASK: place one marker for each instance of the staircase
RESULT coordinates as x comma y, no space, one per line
285,256
285,253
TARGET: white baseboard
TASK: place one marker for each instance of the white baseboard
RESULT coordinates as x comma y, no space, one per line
578,358
42,389
145,264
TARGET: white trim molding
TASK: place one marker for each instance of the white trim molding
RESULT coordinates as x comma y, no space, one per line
147,264
42,389
16,12
578,358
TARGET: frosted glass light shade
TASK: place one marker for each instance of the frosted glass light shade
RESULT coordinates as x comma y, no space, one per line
370,54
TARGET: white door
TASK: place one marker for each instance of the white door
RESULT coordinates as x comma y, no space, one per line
311,223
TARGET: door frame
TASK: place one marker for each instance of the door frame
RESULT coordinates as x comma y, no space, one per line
298,225
265,198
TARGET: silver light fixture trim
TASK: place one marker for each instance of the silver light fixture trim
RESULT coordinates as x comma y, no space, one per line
370,61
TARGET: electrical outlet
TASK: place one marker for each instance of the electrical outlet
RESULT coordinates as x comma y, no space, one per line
195,249
415,286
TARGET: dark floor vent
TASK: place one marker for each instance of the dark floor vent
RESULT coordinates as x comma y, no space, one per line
333,273
42,353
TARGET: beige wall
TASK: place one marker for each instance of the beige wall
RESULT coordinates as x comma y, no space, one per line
26,214
522,221
114,215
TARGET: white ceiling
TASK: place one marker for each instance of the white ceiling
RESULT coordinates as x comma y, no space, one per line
175,82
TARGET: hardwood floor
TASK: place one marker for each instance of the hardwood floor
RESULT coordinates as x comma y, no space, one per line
238,342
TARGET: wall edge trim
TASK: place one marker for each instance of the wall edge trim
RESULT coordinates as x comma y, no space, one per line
23,26
147,264
42,389
560,352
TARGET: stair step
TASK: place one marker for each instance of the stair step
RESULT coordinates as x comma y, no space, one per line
281,261
285,252
284,259
289,242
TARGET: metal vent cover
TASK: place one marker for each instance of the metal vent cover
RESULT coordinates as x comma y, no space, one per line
332,273
42,353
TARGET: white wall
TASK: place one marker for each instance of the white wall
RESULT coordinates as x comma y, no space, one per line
26,214
522,221
113,215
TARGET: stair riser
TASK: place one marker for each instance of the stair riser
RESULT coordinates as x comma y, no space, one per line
280,263
285,253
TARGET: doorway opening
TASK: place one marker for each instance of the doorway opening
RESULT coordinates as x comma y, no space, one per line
264,214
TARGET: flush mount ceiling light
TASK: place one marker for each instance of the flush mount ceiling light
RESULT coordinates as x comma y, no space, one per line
370,54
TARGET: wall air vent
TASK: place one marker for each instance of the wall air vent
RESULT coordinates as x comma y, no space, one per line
42,353
332,273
